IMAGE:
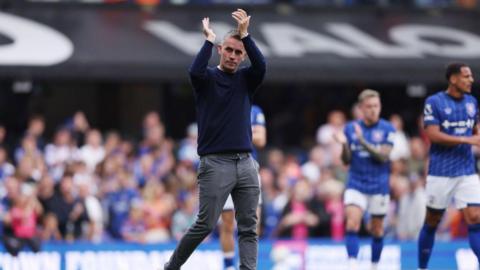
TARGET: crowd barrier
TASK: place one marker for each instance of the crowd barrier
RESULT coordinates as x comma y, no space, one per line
276,255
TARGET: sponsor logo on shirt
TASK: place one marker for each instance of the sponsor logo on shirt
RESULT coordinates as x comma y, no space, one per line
459,124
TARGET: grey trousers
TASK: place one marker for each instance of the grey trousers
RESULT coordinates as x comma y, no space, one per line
218,176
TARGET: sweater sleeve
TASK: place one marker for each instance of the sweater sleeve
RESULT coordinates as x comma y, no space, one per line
256,72
198,69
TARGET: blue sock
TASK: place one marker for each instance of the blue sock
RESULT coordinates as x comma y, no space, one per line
474,239
351,240
425,245
377,246
228,259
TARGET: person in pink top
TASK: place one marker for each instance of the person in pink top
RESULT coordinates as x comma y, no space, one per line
303,217
22,219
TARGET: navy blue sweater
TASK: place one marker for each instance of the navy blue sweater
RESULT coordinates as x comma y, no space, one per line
223,101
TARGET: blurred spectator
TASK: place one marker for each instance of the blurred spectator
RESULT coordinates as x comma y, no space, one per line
411,210
416,164
68,210
275,160
78,126
46,191
357,114
185,216
134,228
187,151
118,203
81,175
150,120
330,192
158,209
36,128
22,219
113,142
335,124
28,147
6,168
143,170
302,216
93,209
29,170
12,191
312,169
270,212
163,160
401,149
60,153
92,152
154,137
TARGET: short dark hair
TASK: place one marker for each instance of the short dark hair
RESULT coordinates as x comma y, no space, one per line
453,69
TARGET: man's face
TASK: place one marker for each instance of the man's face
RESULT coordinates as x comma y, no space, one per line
232,53
463,81
371,108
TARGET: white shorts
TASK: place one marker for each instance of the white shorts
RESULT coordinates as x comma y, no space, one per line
374,204
229,203
464,189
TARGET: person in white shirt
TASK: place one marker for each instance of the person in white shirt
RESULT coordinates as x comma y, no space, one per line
93,151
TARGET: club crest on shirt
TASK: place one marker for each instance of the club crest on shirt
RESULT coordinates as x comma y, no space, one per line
470,109
448,110
377,136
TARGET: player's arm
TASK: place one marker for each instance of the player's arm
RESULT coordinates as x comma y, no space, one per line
198,69
259,136
380,154
256,57
476,129
435,135
346,151
432,121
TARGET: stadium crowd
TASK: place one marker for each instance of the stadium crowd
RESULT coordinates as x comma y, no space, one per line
86,184
337,3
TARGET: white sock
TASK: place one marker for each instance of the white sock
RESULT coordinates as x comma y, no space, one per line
228,255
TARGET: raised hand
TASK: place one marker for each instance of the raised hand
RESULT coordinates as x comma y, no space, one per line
358,131
243,20
207,31
340,137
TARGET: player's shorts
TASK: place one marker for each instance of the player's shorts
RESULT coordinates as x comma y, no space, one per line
374,204
465,190
229,203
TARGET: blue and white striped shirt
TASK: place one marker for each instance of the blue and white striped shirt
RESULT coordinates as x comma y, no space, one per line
366,174
456,117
